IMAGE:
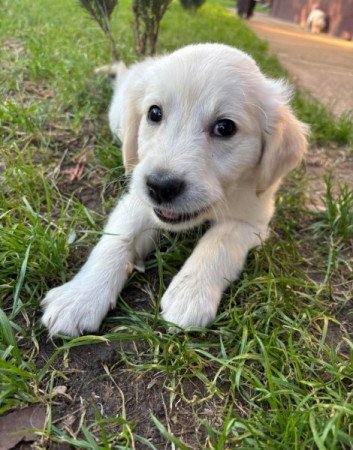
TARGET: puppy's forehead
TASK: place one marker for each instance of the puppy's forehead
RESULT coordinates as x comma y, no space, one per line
213,76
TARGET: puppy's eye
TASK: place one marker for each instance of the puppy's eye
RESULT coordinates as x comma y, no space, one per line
155,114
224,128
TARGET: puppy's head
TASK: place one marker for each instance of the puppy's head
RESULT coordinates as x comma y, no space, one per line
199,120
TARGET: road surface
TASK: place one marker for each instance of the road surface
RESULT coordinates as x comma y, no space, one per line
320,63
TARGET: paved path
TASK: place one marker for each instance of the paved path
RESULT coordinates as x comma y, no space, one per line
319,63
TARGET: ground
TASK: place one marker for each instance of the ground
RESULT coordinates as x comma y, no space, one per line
321,161
275,368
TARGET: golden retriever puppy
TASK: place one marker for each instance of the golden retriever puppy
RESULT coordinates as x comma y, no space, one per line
317,20
206,137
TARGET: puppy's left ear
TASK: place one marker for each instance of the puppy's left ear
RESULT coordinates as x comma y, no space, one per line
284,145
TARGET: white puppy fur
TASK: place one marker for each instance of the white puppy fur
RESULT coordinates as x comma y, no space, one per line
317,20
227,135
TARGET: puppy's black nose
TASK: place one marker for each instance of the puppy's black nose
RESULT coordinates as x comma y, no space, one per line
164,188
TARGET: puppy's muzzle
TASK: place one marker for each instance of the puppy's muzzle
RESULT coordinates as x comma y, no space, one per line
164,188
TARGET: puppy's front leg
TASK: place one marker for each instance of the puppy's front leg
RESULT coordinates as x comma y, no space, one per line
194,294
82,303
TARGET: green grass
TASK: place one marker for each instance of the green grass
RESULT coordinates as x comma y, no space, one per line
273,371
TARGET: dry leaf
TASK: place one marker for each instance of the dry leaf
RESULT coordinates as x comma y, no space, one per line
16,426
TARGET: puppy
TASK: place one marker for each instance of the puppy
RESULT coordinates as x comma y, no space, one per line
317,20
206,137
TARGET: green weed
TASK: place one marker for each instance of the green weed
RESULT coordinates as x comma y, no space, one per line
337,218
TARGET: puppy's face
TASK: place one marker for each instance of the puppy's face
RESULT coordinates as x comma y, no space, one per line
203,113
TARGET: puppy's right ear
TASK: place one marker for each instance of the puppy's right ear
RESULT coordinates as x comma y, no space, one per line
129,147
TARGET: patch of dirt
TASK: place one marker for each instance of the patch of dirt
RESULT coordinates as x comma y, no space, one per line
321,161
14,49
30,91
336,333
99,383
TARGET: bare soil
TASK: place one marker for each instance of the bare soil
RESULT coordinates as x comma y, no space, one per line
320,161
96,381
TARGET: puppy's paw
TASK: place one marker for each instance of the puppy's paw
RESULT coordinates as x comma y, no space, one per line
73,308
189,302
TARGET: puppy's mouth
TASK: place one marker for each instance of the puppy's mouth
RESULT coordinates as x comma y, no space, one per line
174,217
